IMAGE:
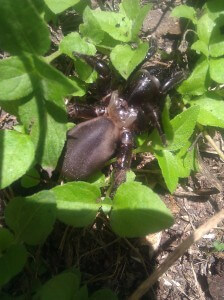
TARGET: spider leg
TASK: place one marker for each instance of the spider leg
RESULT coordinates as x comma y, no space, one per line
84,111
124,158
171,83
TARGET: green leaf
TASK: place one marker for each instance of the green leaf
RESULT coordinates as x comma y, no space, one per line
211,110
133,10
35,217
22,29
205,26
217,69
30,179
184,11
77,203
117,25
12,262
58,6
6,239
169,167
91,29
137,211
125,59
74,42
214,8
183,126
186,161
200,47
216,45
17,155
15,81
62,286
218,246
103,294
196,82
81,294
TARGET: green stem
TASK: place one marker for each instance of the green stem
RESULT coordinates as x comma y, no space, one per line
52,56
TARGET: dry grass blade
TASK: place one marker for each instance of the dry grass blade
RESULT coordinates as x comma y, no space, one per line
177,253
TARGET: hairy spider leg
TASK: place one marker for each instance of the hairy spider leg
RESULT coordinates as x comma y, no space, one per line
171,83
85,111
124,158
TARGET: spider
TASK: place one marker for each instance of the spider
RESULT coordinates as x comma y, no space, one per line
109,127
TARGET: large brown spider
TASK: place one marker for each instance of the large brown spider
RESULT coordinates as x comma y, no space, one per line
109,127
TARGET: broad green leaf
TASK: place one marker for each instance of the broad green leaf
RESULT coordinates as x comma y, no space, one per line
32,218
30,179
169,167
138,21
214,8
15,79
216,45
217,69
58,6
211,110
137,211
77,203
185,159
12,262
98,179
200,47
22,29
74,42
81,294
205,27
125,59
91,28
17,156
6,239
185,11
133,10
117,25
103,294
62,286
196,82
183,126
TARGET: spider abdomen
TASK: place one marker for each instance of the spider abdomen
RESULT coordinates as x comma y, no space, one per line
89,145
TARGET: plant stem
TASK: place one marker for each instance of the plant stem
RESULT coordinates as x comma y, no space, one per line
52,56
213,144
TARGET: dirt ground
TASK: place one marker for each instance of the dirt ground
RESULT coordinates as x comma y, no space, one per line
108,261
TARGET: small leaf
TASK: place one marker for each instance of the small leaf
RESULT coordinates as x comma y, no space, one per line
62,286
196,82
211,110
103,294
217,69
6,239
215,8
30,179
22,29
12,262
216,45
186,160
15,79
205,26
200,47
184,11
117,25
74,42
35,217
183,126
125,59
137,211
169,167
58,6
17,155
77,203
91,28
